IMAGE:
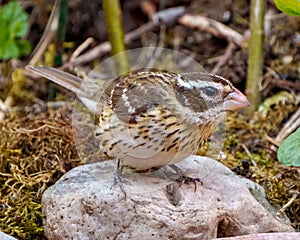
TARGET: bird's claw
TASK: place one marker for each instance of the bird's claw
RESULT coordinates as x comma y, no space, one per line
183,179
119,180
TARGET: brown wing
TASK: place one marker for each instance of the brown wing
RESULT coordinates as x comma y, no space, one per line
132,95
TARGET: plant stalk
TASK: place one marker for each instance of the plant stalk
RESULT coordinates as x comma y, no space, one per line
61,32
113,19
255,59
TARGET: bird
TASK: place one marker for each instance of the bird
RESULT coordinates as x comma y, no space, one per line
151,118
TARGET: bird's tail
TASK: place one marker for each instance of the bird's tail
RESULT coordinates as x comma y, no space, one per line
66,80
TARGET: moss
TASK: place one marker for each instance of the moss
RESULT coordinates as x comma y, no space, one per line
246,141
34,151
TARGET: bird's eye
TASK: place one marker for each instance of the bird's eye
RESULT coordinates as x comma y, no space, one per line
210,91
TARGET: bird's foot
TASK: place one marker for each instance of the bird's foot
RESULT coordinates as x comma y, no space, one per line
183,179
119,180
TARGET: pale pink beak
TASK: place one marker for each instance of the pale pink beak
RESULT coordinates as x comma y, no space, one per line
235,100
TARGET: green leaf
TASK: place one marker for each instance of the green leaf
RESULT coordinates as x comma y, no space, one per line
13,26
24,47
10,51
289,150
290,7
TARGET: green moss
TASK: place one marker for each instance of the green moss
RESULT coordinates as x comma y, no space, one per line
246,141
34,151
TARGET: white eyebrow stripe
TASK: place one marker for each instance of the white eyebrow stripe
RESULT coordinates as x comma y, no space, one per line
183,83
189,84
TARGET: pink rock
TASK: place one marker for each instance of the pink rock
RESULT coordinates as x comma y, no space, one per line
81,205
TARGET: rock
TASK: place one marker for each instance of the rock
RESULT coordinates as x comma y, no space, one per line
266,236
81,205
4,236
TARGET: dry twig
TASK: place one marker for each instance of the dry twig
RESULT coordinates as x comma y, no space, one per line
47,37
289,203
224,58
105,47
209,25
291,125
170,15
81,48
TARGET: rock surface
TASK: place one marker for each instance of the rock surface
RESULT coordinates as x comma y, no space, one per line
4,236
82,205
266,236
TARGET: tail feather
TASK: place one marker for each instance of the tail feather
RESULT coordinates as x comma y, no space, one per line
66,80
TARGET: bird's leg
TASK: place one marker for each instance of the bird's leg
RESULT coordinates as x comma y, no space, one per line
118,180
182,178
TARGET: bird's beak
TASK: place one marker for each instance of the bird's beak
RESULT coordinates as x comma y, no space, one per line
235,100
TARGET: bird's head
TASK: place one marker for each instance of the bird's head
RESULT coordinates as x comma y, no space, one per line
206,97
193,97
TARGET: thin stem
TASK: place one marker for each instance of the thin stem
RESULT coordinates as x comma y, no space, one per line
113,19
61,32
255,60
